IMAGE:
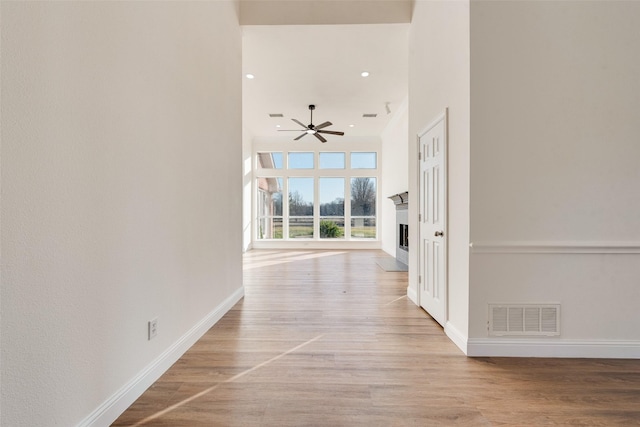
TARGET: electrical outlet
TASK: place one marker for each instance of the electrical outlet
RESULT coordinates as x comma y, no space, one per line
153,328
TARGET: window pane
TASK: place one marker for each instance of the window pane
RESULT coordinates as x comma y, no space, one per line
363,228
363,196
300,160
363,161
331,196
269,208
332,227
301,196
270,160
331,160
301,227
269,196
270,228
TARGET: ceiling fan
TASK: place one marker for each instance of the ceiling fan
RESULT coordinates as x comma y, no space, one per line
311,129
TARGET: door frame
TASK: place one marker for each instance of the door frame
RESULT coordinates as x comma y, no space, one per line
442,117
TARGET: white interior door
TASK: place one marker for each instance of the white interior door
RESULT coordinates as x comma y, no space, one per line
432,220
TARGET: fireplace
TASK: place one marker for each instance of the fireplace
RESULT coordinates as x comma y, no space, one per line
401,201
403,237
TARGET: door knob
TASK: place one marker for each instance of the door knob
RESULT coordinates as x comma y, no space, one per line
439,233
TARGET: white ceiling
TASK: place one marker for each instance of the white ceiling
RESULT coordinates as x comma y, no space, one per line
298,65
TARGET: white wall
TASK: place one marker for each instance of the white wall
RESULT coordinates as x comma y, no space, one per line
322,12
438,79
394,164
121,169
555,164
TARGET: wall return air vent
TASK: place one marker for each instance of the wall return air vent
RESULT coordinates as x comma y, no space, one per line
524,319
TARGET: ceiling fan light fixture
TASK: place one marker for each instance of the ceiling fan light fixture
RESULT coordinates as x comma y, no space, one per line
311,131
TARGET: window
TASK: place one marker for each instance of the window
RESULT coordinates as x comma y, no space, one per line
269,208
270,160
363,161
363,208
331,160
327,198
331,208
300,160
300,208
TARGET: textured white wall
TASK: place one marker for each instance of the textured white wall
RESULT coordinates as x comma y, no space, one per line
439,78
322,12
121,170
395,173
555,151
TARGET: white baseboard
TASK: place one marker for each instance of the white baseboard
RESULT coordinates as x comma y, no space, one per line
456,336
509,347
113,407
412,295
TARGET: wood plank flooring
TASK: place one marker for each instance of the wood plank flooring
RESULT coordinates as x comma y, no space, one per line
327,338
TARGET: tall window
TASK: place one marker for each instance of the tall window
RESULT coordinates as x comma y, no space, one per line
269,208
301,208
330,195
363,207
331,208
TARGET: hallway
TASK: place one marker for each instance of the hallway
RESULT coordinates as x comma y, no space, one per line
327,338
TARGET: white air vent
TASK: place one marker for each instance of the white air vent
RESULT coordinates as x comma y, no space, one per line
275,115
369,115
524,319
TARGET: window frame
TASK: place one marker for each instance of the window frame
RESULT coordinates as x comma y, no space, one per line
347,173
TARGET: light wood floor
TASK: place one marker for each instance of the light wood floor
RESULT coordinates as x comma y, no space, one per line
327,338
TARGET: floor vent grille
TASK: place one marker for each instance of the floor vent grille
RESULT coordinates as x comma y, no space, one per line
524,319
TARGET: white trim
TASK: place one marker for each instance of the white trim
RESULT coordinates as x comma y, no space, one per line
603,349
113,407
458,338
533,247
337,244
440,117
412,294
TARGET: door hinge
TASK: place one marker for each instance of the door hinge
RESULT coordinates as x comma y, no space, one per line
419,279
419,217
420,155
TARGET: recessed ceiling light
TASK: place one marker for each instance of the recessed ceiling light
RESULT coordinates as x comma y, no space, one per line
277,126
250,76
364,74
351,126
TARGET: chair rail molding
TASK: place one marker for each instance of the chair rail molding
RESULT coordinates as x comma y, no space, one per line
557,247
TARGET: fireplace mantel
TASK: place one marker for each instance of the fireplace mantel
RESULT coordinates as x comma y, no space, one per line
401,201
400,198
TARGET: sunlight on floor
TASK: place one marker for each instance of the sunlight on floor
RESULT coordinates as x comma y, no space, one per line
266,258
232,379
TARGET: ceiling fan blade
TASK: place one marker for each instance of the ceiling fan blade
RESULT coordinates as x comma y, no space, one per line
319,137
295,139
331,132
298,122
323,125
